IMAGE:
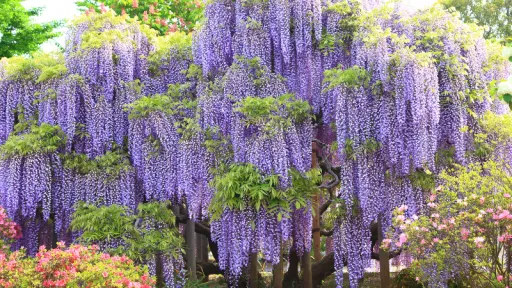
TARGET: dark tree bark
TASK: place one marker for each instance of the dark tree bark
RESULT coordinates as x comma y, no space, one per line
385,279
253,270
291,277
322,269
191,249
307,280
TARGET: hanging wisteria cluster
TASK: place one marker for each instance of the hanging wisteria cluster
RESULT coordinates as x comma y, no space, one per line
125,117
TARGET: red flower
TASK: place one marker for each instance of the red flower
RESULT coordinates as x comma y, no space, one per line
135,4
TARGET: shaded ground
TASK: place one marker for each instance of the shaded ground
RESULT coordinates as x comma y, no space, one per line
372,280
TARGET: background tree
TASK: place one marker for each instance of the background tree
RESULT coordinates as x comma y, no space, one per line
161,15
496,15
18,33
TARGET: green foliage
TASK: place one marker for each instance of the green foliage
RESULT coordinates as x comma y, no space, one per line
349,24
243,186
493,15
465,228
98,39
19,34
176,45
182,15
405,279
423,179
147,232
113,163
40,139
353,77
170,104
96,36
352,151
273,113
38,66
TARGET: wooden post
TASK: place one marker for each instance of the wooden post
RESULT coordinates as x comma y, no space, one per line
191,248
253,273
316,214
278,270
307,277
385,278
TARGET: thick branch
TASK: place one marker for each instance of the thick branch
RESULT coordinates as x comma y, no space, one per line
326,165
392,254
200,227
322,269
208,268
324,206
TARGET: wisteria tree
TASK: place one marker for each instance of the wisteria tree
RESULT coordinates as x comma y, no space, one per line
277,125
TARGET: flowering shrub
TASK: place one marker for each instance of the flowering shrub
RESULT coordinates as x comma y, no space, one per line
161,15
76,266
9,230
466,235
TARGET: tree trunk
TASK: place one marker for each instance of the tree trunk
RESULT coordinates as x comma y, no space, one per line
385,279
191,249
159,271
307,279
253,273
277,271
322,269
291,277
316,214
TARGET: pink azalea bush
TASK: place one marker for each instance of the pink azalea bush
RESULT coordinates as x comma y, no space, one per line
466,234
76,266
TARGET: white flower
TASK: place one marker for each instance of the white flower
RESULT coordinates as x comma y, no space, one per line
507,52
505,88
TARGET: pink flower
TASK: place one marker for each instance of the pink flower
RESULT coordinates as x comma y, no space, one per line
506,195
499,278
433,197
435,240
479,242
501,238
402,208
386,242
145,16
464,233
135,4
435,215
400,218
105,274
151,9
123,12
503,214
403,237
417,279
482,200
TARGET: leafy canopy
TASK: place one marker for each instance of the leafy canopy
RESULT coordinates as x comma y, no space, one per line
494,15
18,33
243,185
162,15
271,113
40,139
147,232
352,77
